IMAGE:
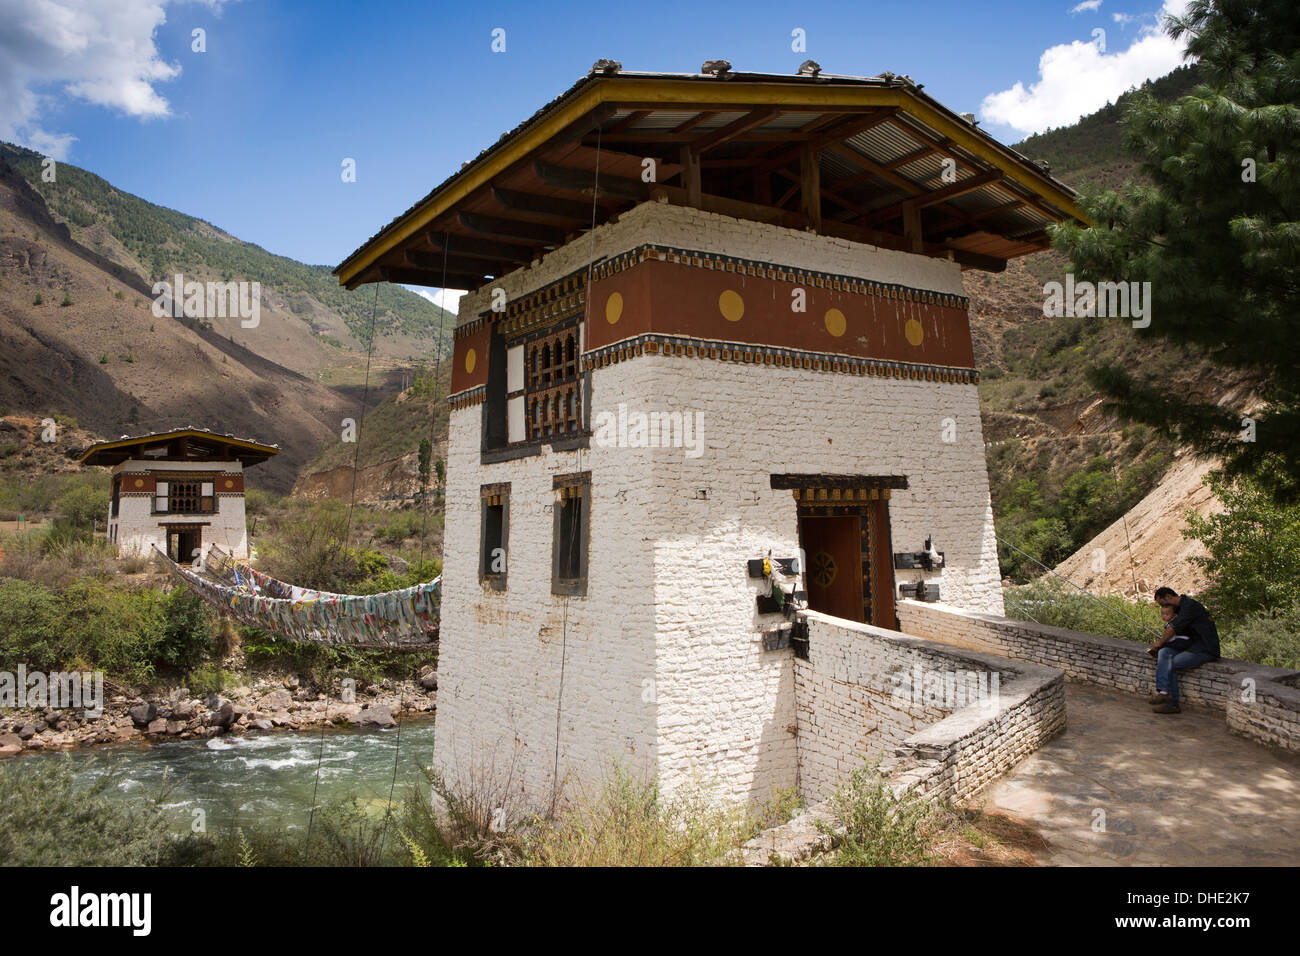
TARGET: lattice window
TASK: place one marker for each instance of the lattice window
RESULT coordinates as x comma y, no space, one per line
553,391
184,497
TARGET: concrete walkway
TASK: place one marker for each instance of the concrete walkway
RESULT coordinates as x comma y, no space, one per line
1176,790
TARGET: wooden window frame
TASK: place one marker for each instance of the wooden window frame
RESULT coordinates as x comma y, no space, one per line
491,497
573,490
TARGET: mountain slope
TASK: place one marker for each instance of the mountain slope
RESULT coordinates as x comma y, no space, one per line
309,322
78,337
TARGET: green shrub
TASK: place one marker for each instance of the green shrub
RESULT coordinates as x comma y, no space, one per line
48,819
1052,602
186,632
876,824
1271,638
29,631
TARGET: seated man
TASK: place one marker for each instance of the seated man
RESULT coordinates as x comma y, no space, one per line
1190,621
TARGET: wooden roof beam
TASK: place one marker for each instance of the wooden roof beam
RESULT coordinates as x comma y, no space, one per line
512,229
934,196
751,120
584,180
462,245
567,209
408,276
690,124
631,119
436,262
845,129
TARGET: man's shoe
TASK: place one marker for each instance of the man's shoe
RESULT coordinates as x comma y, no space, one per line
1167,709
1155,699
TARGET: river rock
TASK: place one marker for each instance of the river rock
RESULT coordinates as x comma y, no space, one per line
143,713
223,716
157,726
175,726
429,681
276,700
262,724
185,709
376,715
293,682
10,744
27,731
215,701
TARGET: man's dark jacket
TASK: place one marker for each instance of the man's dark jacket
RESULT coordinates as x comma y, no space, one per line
1194,620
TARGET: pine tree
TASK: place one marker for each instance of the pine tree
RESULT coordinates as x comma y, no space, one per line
1217,234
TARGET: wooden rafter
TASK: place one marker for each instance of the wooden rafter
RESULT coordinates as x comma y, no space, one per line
515,230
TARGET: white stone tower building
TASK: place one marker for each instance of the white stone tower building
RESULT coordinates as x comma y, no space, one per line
762,348
179,491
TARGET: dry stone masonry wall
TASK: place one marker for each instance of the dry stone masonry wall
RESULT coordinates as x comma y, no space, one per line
1262,703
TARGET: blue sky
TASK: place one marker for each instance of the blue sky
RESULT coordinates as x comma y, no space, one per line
251,133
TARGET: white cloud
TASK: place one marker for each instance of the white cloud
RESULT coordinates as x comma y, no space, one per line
1079,78
448,299
99,51
1088,6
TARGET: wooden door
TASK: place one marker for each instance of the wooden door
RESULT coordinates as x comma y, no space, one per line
833,550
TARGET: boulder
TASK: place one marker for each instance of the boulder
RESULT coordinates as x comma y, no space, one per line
429,681
262,724
376,715
185,709
276,700
215,701
293,682
27,731
142,714
175,726
156,726
224,716
10,744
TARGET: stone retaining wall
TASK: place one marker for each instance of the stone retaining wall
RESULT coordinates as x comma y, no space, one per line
1262,703
944,722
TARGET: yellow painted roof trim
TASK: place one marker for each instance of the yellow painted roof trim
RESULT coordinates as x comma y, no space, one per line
673,91
166,436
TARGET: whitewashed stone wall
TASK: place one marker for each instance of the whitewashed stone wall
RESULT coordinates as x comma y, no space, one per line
663,665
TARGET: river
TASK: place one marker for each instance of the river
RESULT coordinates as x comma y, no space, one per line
261,779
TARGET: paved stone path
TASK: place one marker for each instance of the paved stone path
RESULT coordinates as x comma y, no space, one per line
1176,790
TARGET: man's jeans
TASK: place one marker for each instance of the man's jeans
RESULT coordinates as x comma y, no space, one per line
1169,663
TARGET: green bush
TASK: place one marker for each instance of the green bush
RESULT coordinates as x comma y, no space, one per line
48,819
29,630
186,632
877,825
1271,638
1052,602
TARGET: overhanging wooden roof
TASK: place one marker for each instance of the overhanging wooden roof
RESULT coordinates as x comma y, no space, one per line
184,444
870,159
